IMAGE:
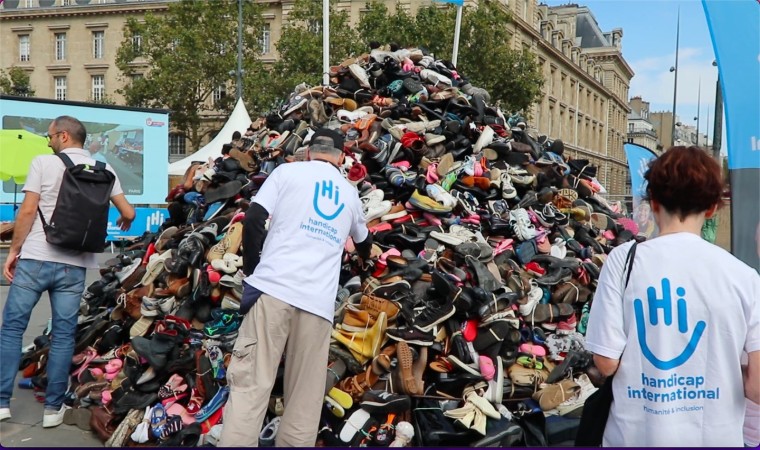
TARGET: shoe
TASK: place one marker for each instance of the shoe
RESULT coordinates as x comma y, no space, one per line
216,402
269,433
53,418
411,336
383,402
5,413
433,314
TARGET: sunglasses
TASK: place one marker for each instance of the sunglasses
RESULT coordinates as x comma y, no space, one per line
50,136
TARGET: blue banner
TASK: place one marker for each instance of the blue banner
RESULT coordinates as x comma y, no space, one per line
735,31
146,219
638,162
456,2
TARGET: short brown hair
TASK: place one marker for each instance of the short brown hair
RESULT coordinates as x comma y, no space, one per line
685,181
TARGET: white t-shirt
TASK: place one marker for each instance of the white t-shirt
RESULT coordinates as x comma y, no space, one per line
313,211
689,311
44,178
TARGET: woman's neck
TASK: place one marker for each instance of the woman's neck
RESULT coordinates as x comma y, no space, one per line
670,223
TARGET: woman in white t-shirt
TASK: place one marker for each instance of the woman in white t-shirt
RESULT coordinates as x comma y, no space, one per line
674,336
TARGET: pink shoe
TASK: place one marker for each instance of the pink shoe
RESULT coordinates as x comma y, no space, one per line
105,397
433,220
487,368
113,368
432,173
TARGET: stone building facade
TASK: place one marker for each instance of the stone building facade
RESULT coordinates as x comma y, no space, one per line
68,47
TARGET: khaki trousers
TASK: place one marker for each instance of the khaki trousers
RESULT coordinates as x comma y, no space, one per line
271,327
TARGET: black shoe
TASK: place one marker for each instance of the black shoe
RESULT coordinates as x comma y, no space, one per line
410,336
433,314
382,402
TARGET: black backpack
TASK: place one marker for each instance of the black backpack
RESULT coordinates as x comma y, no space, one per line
80,217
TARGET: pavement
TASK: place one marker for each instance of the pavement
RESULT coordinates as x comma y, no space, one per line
24,429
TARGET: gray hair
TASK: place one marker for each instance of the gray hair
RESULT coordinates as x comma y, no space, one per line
73,126
325,145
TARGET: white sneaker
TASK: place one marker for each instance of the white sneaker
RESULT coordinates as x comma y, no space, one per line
5,413
53,419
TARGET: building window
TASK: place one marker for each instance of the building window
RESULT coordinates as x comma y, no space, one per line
219,93
60,46
266,39
98,87
176,144
28,3
525,10
67,2
137,43
60,88
98,38
24,49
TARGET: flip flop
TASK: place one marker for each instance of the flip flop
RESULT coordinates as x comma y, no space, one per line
354,425
343,398
334,407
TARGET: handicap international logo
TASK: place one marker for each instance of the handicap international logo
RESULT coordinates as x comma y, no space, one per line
666,305
331,193
668,391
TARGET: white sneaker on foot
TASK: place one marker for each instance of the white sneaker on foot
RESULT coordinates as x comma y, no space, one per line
53,418
5,413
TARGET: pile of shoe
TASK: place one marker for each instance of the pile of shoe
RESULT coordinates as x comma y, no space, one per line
155,336
468,324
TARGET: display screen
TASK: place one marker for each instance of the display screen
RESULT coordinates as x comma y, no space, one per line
134,142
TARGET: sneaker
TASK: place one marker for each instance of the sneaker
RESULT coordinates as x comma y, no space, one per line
433,314
383,402
216,402
5,413
53,418
225,322
410,336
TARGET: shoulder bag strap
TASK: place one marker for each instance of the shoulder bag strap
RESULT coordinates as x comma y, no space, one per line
629,264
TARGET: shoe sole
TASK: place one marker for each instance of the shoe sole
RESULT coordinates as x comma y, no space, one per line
343,398
411,341
333,406
397,406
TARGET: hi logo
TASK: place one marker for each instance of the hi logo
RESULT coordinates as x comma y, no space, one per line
325,189
666,305
157,218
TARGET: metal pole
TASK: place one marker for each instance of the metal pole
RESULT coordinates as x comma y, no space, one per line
325,42
718,120
675,81
699,100
457,29
239,91
707,127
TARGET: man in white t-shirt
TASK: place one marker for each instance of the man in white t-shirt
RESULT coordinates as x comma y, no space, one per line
34,266
313,211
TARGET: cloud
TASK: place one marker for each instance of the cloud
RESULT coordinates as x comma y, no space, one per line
653,80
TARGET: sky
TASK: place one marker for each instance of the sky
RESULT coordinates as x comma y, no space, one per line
649,42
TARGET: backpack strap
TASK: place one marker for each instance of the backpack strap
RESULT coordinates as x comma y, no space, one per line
629,263
66,160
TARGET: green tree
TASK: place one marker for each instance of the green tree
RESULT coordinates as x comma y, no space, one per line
190,51
15,81
300,46
378,24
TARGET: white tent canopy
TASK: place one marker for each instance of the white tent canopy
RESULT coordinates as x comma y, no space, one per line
239,120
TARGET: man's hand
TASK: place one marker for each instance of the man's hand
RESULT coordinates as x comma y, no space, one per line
9,269
124,224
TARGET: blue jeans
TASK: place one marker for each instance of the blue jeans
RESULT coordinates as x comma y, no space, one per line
65,285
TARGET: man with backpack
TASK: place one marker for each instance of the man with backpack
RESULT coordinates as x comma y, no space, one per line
53,245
